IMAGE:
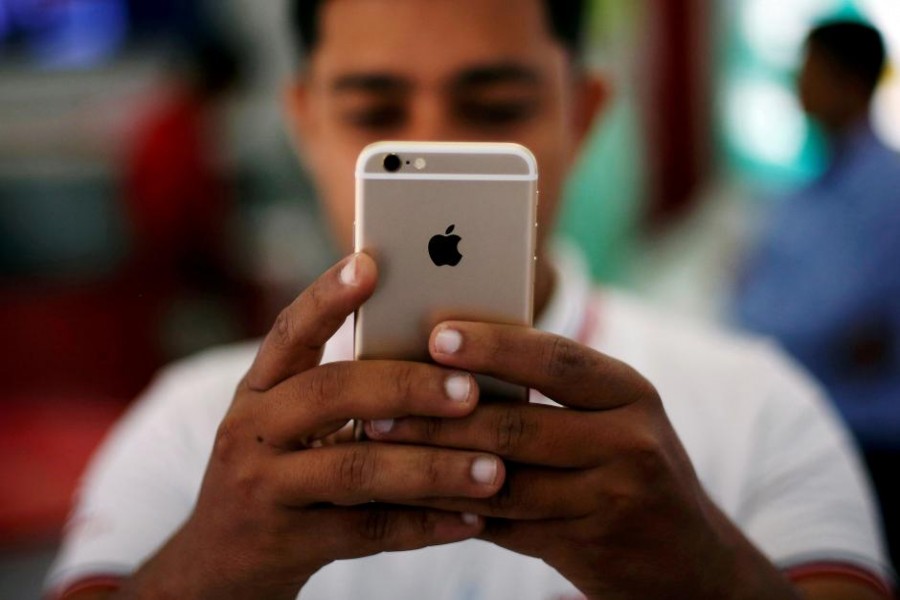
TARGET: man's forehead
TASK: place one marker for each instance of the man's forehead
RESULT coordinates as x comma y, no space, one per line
501,12
411,35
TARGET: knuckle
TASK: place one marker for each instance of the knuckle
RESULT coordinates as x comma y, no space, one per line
644,391
357,470
498,344
619,500
511,431
327,382
650,393
647,455
377,525
403,382
562,358
313,298
241,470
226,445
431,429
249,484
283,330
619,503
503,500
432,469
424,523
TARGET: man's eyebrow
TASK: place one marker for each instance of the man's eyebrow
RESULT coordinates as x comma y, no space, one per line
376,83
498,74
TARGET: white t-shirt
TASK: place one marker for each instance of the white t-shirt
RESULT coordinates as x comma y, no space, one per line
764,443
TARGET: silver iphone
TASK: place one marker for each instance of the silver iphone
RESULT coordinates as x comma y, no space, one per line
452,227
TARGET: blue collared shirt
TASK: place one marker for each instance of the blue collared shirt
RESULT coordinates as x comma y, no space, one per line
825,281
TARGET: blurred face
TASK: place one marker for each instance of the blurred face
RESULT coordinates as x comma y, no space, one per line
436,70
829,95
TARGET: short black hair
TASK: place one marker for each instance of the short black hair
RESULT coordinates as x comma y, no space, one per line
855,47
566,20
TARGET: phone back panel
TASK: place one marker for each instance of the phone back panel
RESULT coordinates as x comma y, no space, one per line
487,194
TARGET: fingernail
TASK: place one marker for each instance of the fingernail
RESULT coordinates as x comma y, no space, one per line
349,274
484,470
382,426
458,387
448,341
469,518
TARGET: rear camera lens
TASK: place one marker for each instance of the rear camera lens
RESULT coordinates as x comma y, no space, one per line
392,163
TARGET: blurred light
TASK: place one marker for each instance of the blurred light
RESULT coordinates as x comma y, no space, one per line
85,33
776,29
67,33
766,122
27,15
4,20
886,117
885,14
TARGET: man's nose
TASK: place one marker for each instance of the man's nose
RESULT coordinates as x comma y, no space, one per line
432,121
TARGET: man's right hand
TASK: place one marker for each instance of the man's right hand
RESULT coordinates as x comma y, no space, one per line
277,504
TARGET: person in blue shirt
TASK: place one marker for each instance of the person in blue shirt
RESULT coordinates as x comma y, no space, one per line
825,277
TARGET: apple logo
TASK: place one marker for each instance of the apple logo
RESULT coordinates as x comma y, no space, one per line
444,249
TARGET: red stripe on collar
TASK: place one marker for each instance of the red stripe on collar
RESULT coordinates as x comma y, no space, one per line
589,323
841,570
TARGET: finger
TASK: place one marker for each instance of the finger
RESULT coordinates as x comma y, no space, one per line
353,474
561,369
531,434
298,336
357,532
530,494
530,538
320,401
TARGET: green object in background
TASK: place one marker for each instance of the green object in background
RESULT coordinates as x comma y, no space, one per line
603,199
602,204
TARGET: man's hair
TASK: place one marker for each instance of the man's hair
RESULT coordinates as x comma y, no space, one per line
566,23
856,48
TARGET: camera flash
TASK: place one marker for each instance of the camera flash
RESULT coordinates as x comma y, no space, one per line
420,163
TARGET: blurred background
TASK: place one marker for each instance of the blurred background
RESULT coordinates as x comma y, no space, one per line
151,204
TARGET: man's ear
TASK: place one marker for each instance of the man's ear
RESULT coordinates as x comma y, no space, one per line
593,94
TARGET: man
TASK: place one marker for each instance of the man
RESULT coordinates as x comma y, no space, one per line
824,280
597,497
